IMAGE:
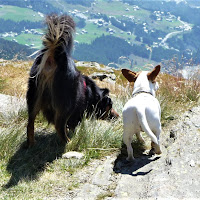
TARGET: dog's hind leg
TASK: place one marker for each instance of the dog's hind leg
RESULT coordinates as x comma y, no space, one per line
30,131
33,110
60,126
130,151
128,141
30,127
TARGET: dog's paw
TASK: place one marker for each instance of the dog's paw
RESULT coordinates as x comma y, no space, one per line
154,151
158,152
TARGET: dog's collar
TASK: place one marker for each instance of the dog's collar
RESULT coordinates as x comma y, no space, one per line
84,86
135,94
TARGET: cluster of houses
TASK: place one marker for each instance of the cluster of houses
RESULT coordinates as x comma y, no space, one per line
26,31
168,16
100,22
135,8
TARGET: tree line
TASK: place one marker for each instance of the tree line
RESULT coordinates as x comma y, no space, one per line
42,6
10,50
17,27
107,49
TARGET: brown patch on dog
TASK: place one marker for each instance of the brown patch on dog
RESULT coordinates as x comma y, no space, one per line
130,75
152,75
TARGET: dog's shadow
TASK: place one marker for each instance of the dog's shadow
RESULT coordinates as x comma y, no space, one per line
27,164
121,165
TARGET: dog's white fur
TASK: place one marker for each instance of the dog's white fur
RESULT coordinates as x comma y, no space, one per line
142,112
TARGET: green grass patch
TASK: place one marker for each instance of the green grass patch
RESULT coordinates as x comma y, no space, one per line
17,14
104,7
92,33
164,25
27,39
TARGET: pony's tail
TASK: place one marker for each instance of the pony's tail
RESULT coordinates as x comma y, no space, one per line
59,34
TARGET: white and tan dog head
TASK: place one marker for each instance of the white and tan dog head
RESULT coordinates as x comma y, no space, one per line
144,81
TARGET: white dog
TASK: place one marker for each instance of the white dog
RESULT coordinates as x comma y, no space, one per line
142,112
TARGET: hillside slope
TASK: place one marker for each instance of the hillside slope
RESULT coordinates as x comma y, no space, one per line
153,31
172,175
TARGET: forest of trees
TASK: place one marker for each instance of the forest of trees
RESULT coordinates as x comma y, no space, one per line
80,2
107,49
10,50
42,5
17,27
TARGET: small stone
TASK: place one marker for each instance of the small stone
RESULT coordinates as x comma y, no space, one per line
192,163
170,118
172,134
168,161
73,154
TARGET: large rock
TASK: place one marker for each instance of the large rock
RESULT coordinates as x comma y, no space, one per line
102,76
95,65
10,104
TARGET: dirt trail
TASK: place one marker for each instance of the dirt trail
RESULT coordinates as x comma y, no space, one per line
173,175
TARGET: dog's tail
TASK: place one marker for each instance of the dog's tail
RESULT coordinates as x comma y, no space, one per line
59,32
58,38
145,126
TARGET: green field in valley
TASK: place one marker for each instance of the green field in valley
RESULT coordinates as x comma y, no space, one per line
17,14
27,39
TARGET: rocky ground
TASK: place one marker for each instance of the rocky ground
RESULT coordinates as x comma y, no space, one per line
175,174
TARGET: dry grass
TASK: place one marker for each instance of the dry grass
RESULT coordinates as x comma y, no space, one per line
176,95
14,75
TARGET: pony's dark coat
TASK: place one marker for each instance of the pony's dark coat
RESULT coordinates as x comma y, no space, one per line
57,88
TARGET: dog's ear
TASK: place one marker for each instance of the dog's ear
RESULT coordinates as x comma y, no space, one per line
129,75
152,75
